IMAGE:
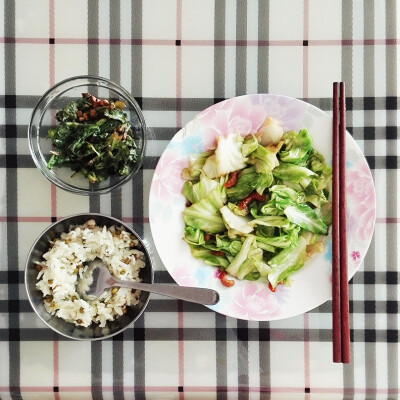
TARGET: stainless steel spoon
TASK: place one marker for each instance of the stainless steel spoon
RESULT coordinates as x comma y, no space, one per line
97,278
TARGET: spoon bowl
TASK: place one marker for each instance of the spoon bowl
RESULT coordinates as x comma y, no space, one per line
97,278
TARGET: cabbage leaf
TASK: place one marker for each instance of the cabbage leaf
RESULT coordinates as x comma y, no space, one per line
194,192
297,147
205,213
248,260
196,163
270,132
228,154
286,262
236,224
249,180
293,173
263,159
305,217
250,144
208,257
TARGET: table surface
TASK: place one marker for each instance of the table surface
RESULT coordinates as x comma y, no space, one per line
178,57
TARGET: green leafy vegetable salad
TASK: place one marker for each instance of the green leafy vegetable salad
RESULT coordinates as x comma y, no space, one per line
257,206
94,138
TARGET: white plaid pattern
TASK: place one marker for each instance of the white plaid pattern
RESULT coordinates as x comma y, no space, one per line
192,53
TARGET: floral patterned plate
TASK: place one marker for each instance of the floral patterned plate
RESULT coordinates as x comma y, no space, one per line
253,300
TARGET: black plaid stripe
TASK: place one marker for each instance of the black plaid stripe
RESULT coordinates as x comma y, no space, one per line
389,132
388,278
241,51
13,334
116,197
137,188
358,306
353,103
141,334
263,51
94,205
14,161
219,94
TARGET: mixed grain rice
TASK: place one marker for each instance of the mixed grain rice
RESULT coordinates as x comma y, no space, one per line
65,263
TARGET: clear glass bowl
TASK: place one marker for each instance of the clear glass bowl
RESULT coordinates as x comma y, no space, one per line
43,118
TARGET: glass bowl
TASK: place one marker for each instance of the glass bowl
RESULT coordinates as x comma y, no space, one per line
68,329
43,119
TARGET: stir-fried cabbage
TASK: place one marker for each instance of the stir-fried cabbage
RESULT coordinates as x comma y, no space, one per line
236,224
270,132
205,213
259,205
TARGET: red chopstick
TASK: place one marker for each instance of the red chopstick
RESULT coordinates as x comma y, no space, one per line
340,289
336,314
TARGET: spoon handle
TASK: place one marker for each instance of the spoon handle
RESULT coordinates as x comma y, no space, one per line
192,294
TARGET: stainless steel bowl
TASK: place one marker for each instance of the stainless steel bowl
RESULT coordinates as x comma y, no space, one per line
67,329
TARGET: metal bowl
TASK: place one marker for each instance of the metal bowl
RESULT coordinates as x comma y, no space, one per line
43,118
67,329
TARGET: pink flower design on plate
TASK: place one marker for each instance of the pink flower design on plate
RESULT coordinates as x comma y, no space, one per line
360,190
232,116
218,273
366,223
184,276
257,302
360,187
288,111
355,255
167,181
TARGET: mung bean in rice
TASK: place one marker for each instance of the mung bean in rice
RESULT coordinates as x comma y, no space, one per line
65,262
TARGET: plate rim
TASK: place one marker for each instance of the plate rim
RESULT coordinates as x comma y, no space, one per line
361,155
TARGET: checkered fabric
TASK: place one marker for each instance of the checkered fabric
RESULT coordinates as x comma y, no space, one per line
178,57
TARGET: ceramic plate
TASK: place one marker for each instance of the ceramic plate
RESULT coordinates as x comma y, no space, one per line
253,300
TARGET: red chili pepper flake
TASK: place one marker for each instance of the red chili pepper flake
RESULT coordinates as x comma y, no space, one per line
259,197
252,196
274,288
225,281
233,178
217,253
207,237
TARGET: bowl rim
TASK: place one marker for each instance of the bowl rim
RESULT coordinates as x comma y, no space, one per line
45,100
89,215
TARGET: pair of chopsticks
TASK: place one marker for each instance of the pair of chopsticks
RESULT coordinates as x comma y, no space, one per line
340,288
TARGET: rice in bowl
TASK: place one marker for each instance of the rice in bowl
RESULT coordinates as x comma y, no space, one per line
64,264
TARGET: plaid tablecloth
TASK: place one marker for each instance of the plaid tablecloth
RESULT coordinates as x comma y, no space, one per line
178,57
